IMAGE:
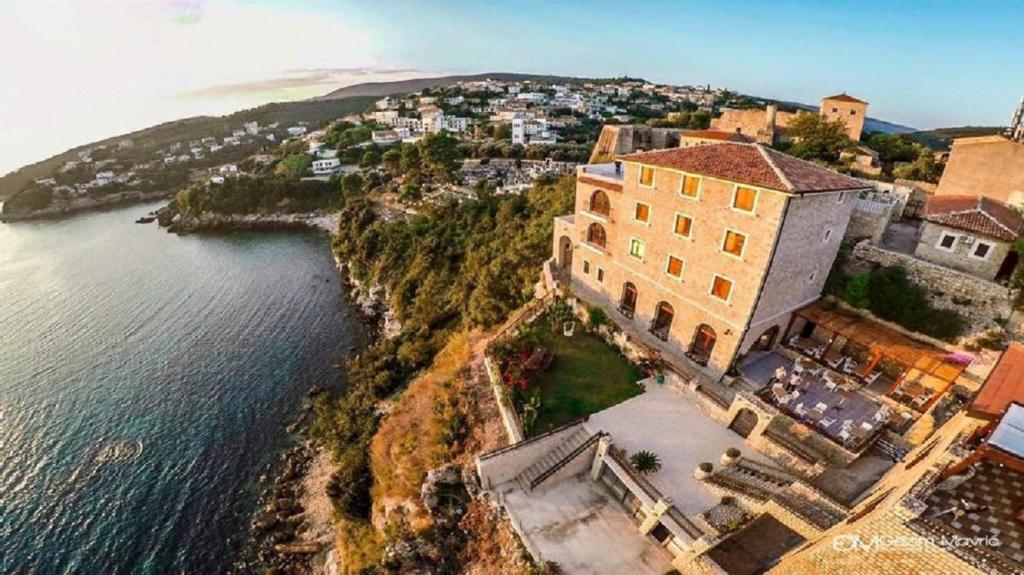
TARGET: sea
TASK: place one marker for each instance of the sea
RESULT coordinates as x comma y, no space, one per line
146,380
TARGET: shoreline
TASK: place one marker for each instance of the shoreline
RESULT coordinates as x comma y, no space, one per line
70,210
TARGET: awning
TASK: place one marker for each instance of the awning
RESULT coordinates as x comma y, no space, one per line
1009,432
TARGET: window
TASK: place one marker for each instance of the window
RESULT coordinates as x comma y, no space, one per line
721,288
642,212
841,198
981,250
828,234
637,248
674,267
853,112
586,267
947,242
647,176
834,110
744,199
600,275
733,243
684,225
690,187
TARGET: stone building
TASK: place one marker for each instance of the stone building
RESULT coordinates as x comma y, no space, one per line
618,139
972,234
690,138
992,166
850,110
704,250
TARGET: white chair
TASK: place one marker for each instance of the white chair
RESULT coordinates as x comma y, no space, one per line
866,426
830,385
797,368
821,407
569,328
847,423
827,421
881,415
799,409
844,434
871,378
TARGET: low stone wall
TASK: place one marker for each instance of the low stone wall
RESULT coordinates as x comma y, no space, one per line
509,417
869,219
982,303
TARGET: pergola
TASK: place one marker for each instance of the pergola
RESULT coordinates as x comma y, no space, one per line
923,363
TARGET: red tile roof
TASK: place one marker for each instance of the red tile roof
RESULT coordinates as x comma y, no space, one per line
974,214
844,97
1004,385
716,135
752,164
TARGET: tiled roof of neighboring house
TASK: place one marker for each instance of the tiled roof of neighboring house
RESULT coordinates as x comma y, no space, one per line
844,97
974,214
715,135
1004,385
752,164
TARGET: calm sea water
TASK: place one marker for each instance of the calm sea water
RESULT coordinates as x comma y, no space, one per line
145,383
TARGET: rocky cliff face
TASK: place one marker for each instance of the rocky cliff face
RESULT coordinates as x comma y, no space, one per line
372,299
227,222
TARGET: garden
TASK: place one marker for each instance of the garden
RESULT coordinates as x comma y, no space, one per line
558,369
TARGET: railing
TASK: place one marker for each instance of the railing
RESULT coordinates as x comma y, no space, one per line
627,311
659,331
533,439
565,460
654,495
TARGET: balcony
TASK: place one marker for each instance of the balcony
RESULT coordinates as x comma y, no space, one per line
608,174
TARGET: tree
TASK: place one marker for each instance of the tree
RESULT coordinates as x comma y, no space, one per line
645,462
815,137
370,159
392,161
411,162
440,155
503,131
924,168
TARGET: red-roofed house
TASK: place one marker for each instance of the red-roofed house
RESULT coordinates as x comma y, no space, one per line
704,252
973,234
1005,385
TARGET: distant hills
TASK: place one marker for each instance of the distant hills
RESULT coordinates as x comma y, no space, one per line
942,138
381,89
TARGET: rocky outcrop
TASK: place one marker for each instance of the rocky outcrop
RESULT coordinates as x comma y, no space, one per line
229,222
85,204
372,299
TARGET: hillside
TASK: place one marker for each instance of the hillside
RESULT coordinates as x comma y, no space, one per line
942,138
380,89
162,135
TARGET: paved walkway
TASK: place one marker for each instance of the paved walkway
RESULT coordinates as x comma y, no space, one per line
665,422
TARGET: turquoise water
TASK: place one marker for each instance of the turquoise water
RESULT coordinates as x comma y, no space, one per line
145,382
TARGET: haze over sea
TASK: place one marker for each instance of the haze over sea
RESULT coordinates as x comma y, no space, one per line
145,383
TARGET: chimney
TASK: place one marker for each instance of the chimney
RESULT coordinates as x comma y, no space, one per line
769,117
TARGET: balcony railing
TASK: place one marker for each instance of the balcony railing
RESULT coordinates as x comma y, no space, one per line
659,331
627,310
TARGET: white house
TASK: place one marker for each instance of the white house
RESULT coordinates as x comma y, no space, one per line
455,124
217,180
229,169
296,131
386,117
384,103
326,166
385,137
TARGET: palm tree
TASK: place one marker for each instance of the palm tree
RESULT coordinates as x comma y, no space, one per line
645,462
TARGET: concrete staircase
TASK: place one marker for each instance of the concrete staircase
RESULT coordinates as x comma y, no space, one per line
552,458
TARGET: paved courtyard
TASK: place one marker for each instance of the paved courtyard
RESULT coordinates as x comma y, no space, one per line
577,525
665,422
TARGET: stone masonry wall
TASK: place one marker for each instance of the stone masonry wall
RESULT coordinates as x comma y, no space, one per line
980,302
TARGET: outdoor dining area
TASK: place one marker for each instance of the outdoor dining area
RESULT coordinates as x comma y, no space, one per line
881,358
831,403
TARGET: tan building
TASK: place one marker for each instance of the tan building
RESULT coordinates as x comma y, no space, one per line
850,110
705,250
618,139
690,138
991,166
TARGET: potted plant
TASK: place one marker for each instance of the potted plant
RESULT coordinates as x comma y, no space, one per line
645,462
730,456
703,470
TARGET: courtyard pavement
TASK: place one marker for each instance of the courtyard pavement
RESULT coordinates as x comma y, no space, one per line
663,421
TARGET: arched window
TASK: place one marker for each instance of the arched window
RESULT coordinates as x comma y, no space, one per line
662,322
703,343
599,203
628,303
767,339
596,235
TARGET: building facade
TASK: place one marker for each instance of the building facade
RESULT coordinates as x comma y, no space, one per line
992,166
708,249
852,111
971,234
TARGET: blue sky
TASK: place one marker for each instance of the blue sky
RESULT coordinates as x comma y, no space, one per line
927,64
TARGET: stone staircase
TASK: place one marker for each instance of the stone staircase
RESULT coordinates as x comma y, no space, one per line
552,458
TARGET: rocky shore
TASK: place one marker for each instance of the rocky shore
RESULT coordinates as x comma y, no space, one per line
87,204
233,222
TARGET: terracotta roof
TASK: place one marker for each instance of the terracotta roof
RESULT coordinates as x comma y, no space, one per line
974,214
715,135
844,97
752,164
1004,385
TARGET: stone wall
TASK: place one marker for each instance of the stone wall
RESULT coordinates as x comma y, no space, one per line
982,303
503,465
870,220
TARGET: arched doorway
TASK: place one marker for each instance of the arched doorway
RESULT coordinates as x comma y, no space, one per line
662,322
744,422
703,343
599,203
565,253
596,235
627,304
766,340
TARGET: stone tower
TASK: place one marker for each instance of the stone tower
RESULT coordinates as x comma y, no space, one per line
851,110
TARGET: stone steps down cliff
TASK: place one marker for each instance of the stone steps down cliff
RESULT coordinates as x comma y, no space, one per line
552,458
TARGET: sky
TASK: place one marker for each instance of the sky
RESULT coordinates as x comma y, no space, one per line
75,71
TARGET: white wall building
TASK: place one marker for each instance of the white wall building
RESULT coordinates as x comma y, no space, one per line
326,166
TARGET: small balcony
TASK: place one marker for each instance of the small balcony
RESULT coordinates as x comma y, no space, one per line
609,173
659,331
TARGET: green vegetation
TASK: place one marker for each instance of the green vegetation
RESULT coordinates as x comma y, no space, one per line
941,138
817,138
453,267
31,199
294,165
645,462
924,168
889,294
256,196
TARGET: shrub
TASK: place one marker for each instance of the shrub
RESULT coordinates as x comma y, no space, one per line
349,486
856,291
596,317
890,295
706,467
732,452
645,462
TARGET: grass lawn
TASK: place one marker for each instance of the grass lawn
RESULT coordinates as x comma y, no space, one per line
586,376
